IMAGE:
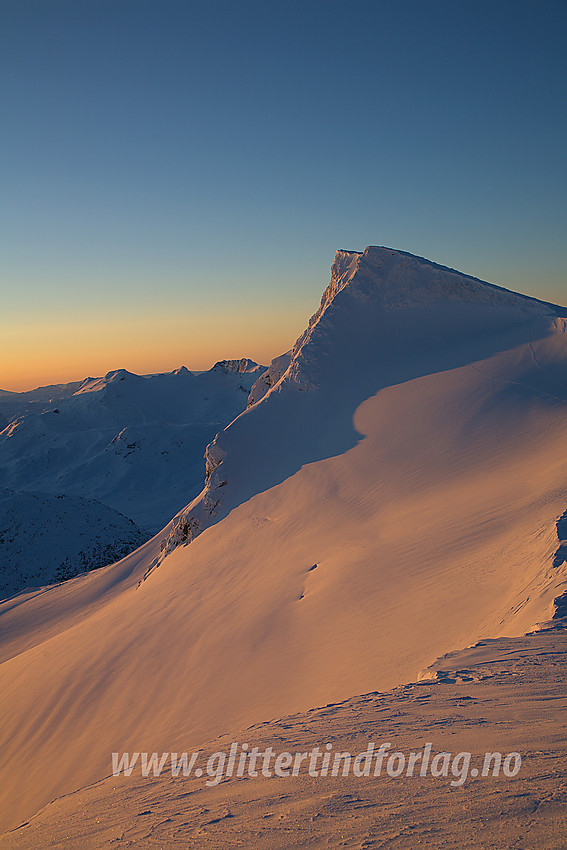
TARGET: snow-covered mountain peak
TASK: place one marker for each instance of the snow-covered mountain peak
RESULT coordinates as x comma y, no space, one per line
242,366
118,375
386,317
113,377
394,495
399,280
368,287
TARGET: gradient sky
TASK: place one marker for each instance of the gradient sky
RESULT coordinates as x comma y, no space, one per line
176,176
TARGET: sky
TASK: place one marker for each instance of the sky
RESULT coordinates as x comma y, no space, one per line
177,176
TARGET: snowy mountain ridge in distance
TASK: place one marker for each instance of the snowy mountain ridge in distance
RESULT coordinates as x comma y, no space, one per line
13,404
242,366
41,399
133,442
381,306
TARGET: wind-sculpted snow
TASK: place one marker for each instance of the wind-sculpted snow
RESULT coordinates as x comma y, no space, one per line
561,554
386,317
471,691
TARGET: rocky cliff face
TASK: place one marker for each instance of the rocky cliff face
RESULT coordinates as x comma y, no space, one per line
242,366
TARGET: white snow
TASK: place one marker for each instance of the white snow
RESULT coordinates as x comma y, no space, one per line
14,404
133,442
45,539
392,496
506,695
386,317
270,378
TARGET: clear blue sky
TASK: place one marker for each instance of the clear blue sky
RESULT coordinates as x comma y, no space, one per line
176,176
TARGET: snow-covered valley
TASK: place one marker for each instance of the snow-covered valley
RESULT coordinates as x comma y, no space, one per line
127,450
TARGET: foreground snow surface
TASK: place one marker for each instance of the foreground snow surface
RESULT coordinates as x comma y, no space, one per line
507,695
391,497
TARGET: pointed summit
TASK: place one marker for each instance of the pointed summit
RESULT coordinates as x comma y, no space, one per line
386,317
399,280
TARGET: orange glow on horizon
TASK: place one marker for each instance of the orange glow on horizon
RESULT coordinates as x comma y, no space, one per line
40,354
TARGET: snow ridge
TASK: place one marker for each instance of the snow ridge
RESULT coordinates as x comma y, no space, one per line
369,293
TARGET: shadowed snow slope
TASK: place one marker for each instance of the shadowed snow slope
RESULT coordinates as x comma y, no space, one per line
134,442
14,404
385,318
44,539
392,497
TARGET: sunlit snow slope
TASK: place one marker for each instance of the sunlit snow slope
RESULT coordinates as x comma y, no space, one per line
392,497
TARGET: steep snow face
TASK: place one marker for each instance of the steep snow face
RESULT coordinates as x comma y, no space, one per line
134,442
394,288
45,539
398,280
386,317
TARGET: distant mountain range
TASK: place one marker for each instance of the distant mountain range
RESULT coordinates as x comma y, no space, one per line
127,450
